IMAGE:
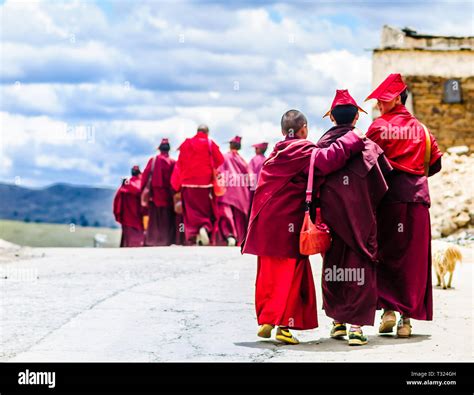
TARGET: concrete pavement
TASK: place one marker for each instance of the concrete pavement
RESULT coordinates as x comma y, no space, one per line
187,304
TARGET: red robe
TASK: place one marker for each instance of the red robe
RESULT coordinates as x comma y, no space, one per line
128,212
233,208
195,181
403,221
285,293
349,199
161,229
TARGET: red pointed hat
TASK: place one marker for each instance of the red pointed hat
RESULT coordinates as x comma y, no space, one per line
261,145
343,98
389,89
236,139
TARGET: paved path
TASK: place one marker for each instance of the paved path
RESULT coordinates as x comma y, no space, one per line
186,304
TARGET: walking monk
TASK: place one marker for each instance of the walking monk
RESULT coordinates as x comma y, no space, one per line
256,163
234,206
285,294
161,225
128,211
198,157
349,198
404,274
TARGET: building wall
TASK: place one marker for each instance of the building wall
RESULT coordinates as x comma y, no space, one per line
425,72
452,124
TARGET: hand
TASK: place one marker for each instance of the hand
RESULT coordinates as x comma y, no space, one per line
359,133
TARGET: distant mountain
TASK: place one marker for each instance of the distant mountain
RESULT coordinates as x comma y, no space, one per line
58,203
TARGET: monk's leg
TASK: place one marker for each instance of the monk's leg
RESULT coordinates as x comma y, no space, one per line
349,285
122,238
226,222
152,232
197,211
166,226
404,275
285,294
132,237
240,222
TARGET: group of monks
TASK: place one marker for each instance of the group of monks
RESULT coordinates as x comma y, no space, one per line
370,189
180,205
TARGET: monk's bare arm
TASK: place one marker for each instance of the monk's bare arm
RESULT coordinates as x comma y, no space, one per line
335,156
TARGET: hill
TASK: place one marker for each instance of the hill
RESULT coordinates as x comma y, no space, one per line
58,203
55,235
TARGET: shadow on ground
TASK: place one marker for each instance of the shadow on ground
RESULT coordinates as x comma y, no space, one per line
332,345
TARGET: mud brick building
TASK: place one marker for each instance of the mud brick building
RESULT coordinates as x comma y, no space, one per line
439,72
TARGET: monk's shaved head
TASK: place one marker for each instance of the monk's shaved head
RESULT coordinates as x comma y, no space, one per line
292,121
203,128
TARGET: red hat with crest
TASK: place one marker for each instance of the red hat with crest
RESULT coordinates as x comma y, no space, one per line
343,98
389,89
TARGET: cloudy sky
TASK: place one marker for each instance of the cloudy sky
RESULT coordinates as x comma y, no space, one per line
89,88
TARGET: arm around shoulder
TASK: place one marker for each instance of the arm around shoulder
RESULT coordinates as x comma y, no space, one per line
335,156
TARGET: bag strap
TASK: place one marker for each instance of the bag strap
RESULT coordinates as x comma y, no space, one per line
426,163
309,187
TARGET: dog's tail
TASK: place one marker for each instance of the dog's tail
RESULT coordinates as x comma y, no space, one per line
454,254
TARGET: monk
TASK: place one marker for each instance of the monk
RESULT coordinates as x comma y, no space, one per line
348,199
404,274
233,208
285,294
128,211
198,157
256,163
161,230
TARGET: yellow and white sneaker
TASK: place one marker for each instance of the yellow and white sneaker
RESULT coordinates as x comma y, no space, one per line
265,331
285,336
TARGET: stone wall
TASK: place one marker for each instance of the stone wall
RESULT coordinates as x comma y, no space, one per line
452,124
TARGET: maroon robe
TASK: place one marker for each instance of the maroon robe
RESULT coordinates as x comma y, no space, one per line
233,208
285,293
278,207
128,212
403,220
161,230
349,200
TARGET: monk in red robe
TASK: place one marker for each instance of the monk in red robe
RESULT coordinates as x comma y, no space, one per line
256,163
198,157
285,294
404,274
128,211
348,199
178,206
161,230
233,208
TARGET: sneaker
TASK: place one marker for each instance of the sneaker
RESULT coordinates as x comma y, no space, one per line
357,338
231,241
285,336
265,331
404,328
389,320
202,239
338,330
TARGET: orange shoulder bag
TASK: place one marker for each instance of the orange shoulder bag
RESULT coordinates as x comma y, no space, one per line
315,238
